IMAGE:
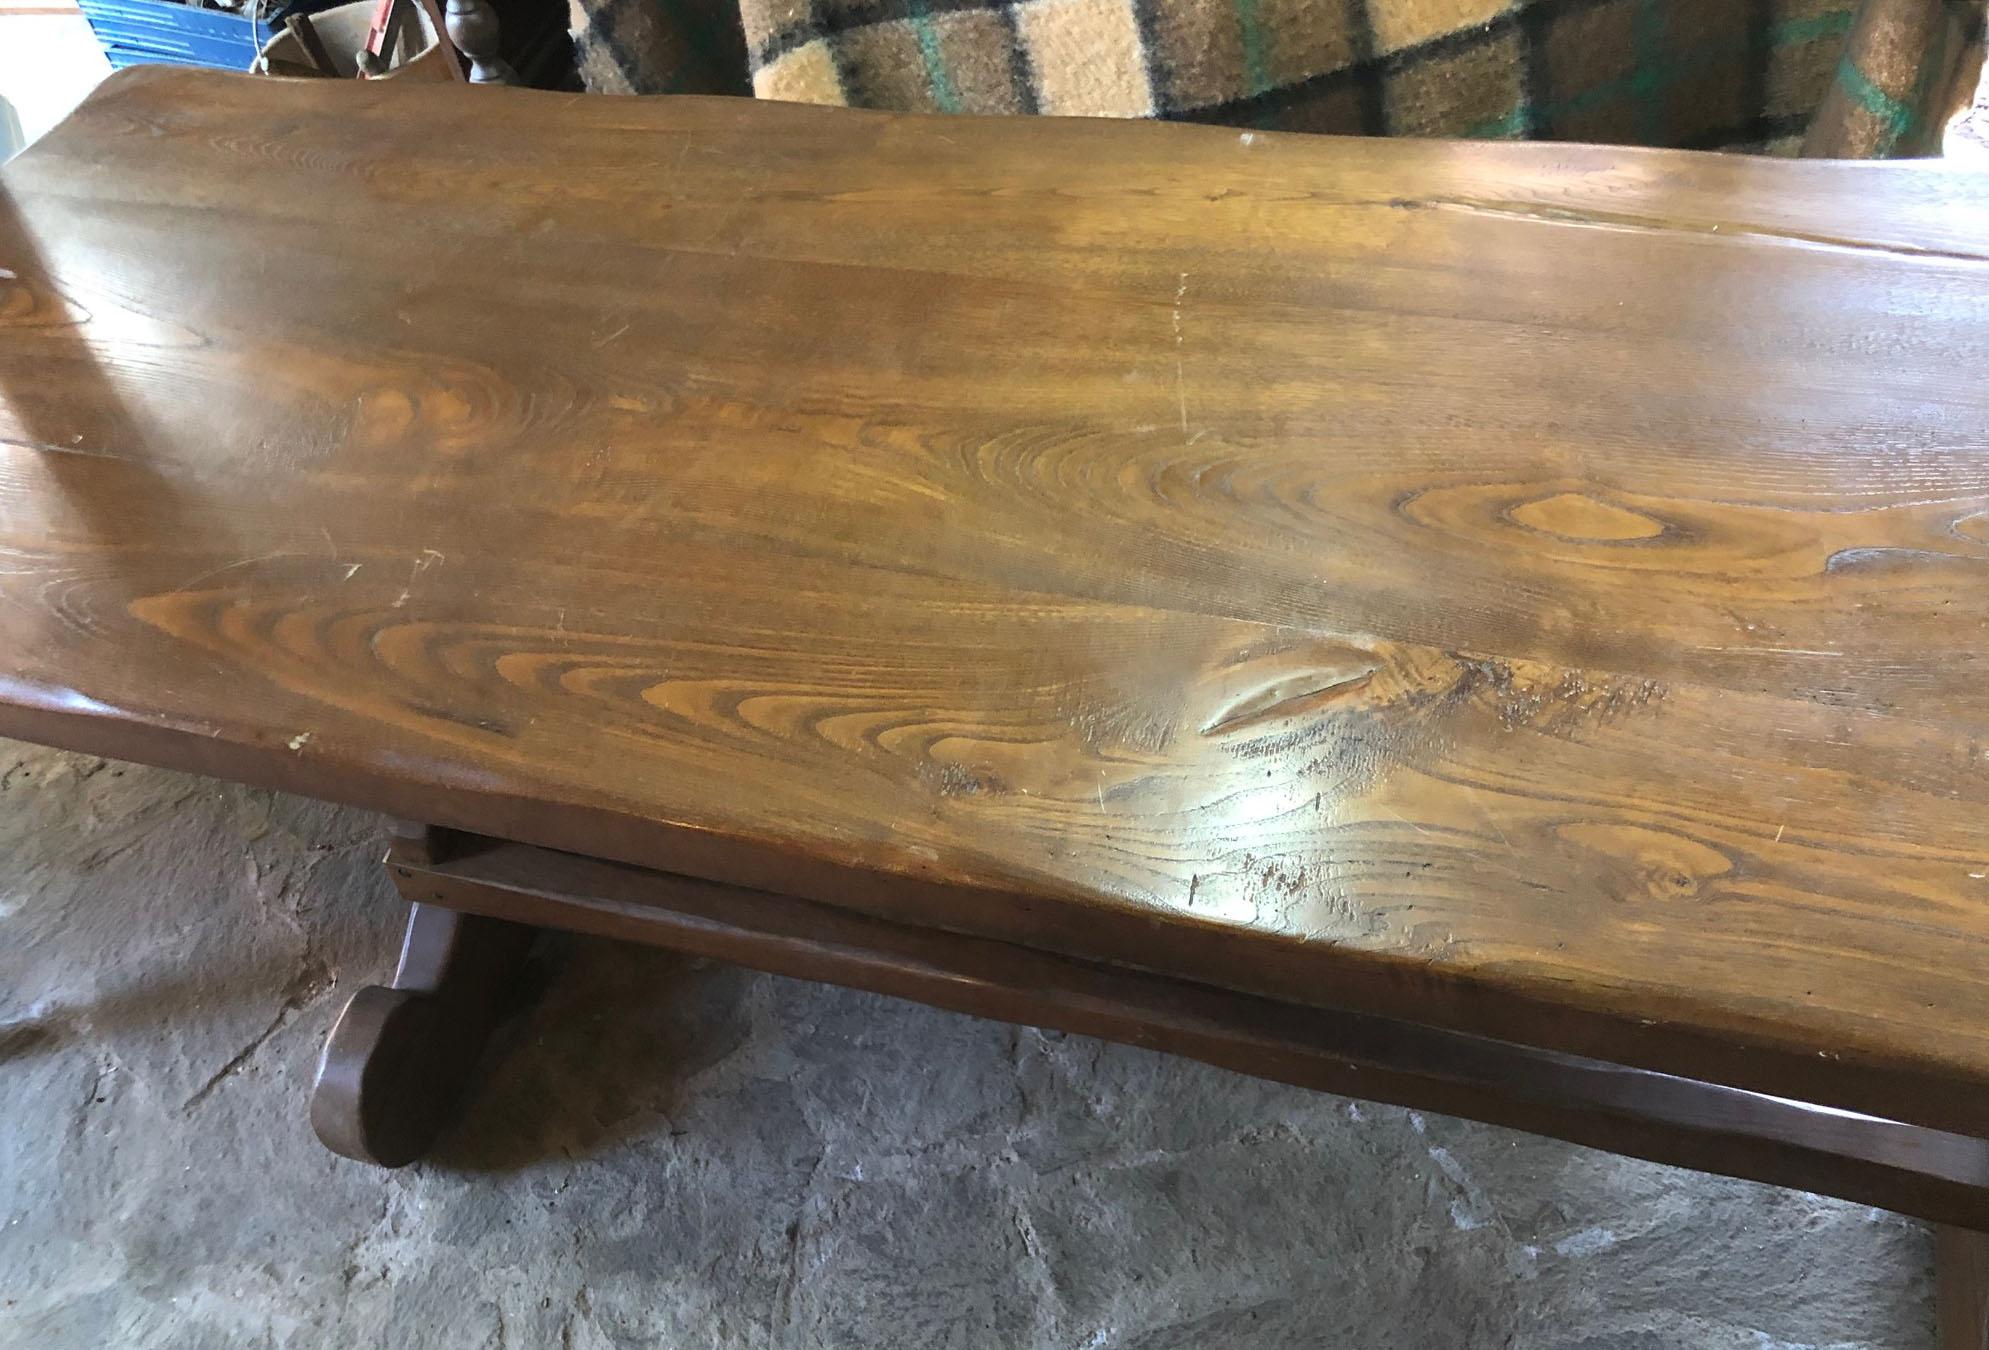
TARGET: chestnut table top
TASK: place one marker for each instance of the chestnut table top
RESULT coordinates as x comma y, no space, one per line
1535,590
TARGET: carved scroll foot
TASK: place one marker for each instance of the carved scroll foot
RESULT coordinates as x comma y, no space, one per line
396,1064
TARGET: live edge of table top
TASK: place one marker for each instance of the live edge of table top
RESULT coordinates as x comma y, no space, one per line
1534,590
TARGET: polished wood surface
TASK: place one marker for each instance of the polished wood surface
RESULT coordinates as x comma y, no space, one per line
1535,591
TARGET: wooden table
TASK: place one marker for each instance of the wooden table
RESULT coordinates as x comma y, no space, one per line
1495,627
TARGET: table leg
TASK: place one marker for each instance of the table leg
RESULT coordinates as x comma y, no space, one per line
400,1056
1961,1285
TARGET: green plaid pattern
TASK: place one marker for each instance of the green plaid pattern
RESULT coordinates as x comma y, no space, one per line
1732,74
1906,65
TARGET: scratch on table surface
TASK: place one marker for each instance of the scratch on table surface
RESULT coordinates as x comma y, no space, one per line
1180,337
429,558
50,448
1490,819
229,567
1777,651
1387,810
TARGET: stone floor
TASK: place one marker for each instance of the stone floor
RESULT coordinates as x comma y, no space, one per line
676,1154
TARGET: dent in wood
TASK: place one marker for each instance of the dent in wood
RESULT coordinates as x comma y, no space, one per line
1292,696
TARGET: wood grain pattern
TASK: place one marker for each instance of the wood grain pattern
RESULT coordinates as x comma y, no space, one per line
1530,590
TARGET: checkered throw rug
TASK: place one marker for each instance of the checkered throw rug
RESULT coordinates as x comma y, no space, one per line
1858,78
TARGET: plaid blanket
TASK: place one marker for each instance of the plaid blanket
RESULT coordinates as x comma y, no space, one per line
1861,78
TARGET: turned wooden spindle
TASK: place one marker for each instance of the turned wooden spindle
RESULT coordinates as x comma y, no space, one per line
473,27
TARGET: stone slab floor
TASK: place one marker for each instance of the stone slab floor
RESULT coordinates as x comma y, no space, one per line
667,1153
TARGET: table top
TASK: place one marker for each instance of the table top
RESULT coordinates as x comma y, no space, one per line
1531,589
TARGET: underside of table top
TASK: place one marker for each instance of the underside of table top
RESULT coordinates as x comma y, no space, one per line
1531,590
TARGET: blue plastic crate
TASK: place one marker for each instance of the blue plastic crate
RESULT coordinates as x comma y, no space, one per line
137,32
